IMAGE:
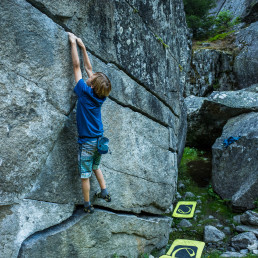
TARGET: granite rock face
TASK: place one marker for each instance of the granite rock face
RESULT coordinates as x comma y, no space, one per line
210,70
244,9
245,64
206,116
19,221
235,169
106,234
144,119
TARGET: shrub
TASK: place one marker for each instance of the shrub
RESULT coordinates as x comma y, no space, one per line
197,17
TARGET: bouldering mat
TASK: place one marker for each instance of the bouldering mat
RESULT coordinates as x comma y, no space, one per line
184,209
182,248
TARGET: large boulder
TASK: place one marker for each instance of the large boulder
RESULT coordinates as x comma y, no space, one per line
235,168
210,70
105,234
144,118
19,221
207,116
246,60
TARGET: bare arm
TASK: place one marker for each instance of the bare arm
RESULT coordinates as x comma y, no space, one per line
86,60
75,58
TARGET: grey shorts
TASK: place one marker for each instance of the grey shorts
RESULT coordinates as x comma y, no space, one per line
88,158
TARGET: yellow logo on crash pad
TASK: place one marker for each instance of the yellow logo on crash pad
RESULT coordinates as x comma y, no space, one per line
184,210
182,248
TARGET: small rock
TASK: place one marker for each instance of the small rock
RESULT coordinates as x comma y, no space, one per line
249,218
150,256
231,249
227,230
244,251
253,247
219,226
199,201
206,44
185,223
211,217
189,195
197,211
236,219
178,196
232,254
247,229
255,251
242,240
181,186
212,234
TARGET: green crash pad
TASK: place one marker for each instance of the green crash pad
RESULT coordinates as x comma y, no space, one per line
184,209
182,248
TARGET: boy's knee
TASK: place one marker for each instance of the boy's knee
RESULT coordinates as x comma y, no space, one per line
96,170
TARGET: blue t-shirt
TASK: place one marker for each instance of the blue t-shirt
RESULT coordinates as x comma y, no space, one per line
88,114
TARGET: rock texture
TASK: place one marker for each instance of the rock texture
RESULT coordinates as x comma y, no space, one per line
234,169
144,118
104,234
244,9
207,116
243,240
19,221
212,234
245,65
210,70
249,218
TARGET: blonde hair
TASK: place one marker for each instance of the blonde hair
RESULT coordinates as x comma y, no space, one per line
101,85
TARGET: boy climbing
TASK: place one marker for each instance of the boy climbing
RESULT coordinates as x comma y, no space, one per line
91,95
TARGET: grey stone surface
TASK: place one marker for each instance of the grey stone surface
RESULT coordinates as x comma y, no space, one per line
138,141
234,169
125,42
185,223
253,247
237,218
19,221
210,70
144,117
243,240
243,228
232,254
102,234
245,64
237,8
212,234
249,218
31,76
207,116
244,9
189,195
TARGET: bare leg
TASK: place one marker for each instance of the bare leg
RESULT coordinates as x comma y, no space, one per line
100,178
86,189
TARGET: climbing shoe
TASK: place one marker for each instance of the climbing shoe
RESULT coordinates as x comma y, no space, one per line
89,209
107,197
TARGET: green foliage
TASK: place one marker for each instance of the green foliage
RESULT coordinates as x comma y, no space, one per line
225,21
197,16
135,10
204,25
220,36
161,41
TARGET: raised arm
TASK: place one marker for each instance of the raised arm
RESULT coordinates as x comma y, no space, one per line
75,58
86,60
